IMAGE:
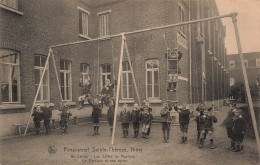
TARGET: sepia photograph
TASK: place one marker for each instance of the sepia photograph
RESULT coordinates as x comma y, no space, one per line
124,82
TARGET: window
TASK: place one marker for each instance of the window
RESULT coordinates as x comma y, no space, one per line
246,63
232,64
39,64
84,71
105,73
232,81
127,83
83,22
257,62
103,23
10,3
181,18
9,76
65,76
152,79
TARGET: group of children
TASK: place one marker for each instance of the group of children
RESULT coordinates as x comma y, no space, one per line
142,118
40,114
205,121
236,128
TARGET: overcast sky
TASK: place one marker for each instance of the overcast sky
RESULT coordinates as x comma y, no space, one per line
248,24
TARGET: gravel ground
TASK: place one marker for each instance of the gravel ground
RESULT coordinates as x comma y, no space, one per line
95,149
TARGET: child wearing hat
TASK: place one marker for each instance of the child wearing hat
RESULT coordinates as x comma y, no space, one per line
184,119
96,114
135,118
37,117
165,120
125,118
238,131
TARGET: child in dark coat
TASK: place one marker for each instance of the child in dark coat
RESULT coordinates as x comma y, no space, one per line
106,93
125,118
228,122
110,115
238,131
173,58
165,120
96,114
208,119
37,117
64,117
184,119
47,114
135,118
201,108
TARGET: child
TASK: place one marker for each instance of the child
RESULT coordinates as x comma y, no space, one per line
172,83
165,120
238,131
135,120
47,114
86,85
37,117
125,118
146,120
201,108
184,118
208,128
110,114
106,93
96,114
173,58
147,107
228,122
64,117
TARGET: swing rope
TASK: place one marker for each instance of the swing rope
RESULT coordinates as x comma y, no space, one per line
98,67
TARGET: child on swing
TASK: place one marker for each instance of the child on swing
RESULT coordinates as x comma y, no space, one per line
64,116
174,58
37,117
146,118
85,85
106,93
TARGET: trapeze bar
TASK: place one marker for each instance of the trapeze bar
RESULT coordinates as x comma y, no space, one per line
149,29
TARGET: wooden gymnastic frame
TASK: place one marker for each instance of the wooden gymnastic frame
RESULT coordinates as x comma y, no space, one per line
124,45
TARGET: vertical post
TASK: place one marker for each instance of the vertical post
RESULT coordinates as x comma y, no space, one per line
57,77
118,86
132,72
38,90
249,98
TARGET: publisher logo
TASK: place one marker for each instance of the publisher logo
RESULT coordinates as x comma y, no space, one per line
52,150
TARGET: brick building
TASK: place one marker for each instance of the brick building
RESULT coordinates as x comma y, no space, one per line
252,63
29,28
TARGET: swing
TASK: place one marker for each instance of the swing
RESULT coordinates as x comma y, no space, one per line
124,45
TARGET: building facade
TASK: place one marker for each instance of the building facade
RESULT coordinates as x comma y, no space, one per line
252,64
29,28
